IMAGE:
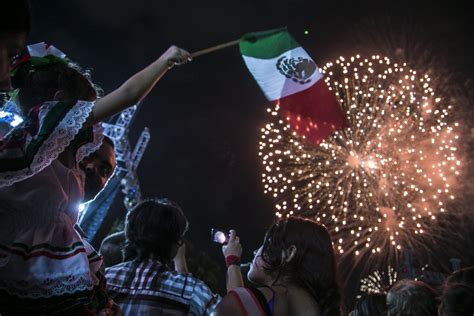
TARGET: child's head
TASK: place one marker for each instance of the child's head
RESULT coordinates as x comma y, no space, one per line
154,228
52,82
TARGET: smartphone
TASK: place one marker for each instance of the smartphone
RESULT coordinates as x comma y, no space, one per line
219,236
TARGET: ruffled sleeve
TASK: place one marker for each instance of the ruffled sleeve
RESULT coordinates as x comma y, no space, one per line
47,132
90,143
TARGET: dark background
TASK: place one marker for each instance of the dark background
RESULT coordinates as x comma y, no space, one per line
205,117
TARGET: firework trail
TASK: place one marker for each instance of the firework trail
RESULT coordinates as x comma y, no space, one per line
379,184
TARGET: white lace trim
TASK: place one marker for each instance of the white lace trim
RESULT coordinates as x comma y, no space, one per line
55,144
68,284
89,148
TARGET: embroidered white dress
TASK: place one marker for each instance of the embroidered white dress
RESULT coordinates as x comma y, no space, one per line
41,254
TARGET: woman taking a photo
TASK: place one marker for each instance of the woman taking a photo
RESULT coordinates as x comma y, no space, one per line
294,271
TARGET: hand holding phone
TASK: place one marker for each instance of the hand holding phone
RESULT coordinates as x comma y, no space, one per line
232,247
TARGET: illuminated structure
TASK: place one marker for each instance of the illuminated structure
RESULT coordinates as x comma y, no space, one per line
379,184
10,116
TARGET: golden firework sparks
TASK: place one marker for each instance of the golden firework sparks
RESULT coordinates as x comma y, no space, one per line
380,182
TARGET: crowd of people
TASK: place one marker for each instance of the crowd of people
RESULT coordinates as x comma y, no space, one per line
411,297
58,158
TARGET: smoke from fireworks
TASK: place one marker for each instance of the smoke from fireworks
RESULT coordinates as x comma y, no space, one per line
379,184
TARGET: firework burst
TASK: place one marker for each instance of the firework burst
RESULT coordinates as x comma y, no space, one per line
379,184
379,282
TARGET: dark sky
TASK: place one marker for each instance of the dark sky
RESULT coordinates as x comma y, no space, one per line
205,117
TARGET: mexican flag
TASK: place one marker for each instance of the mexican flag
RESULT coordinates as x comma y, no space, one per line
289,77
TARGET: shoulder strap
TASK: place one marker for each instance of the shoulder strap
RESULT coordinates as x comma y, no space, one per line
267,305
249,304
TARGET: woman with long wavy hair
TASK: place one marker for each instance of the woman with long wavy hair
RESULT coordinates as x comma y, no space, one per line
294,271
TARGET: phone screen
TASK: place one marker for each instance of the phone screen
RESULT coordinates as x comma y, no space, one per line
219,236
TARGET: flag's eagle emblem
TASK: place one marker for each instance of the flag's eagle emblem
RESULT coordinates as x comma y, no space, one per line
297,69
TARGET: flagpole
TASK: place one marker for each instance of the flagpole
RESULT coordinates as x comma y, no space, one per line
214,48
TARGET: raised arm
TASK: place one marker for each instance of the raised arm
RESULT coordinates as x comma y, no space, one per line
138,86
233,250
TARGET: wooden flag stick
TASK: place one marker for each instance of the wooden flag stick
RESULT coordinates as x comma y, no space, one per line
214,48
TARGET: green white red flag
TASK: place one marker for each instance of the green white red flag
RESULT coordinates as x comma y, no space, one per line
289,77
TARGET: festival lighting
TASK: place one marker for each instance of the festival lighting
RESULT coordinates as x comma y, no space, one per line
10,118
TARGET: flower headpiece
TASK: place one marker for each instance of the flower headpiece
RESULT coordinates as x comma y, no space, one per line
40,54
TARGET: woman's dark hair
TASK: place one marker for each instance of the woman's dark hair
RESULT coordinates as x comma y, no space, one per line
152,228
313,266
39,84
15,16
373,304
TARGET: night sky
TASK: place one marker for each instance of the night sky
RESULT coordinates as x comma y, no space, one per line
205,117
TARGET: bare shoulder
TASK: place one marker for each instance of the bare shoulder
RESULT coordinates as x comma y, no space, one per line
228,306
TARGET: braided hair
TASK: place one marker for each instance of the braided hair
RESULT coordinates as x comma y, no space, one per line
152,228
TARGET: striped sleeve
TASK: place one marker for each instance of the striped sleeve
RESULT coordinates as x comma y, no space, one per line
203,301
